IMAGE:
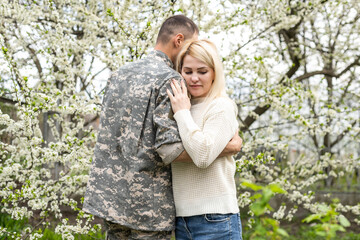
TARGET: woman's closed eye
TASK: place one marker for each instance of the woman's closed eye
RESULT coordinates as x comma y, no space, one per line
202,72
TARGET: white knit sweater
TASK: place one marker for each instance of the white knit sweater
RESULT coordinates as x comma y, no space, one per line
207,185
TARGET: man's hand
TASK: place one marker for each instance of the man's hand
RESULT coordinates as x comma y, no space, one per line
233,147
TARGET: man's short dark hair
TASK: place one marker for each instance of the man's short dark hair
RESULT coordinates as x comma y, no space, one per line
174,25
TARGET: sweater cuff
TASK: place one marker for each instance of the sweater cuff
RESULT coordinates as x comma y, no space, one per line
181,112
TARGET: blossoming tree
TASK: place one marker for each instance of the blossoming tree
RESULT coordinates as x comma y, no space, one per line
292,67
297,87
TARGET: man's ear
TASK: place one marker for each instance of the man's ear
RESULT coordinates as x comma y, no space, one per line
178,40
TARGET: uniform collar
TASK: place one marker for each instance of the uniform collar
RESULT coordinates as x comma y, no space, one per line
162,57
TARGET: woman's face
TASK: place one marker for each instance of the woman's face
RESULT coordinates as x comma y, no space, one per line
198,76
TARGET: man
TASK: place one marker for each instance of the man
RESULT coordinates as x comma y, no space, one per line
130,180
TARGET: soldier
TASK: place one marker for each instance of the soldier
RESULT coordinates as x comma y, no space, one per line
130,180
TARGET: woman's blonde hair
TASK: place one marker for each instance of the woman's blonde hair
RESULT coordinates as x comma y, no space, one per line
205,51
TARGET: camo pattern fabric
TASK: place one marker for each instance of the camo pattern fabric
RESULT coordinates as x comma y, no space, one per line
129,184
116,231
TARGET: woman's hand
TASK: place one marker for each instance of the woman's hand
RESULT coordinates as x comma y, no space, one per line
179,99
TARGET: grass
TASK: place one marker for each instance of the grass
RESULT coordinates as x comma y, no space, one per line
17,226
296,231
299,231
49,234
304,232
14,226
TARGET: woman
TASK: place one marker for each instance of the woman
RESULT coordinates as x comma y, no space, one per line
204,191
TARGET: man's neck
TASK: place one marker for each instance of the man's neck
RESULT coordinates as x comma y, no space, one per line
165,50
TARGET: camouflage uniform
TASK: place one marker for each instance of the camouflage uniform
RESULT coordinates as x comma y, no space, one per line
116,231
129,183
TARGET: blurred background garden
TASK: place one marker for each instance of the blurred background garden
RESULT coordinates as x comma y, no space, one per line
292,67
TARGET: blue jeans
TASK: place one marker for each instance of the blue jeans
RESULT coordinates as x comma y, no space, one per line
209,227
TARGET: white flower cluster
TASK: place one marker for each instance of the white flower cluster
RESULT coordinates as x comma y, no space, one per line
244,199
280,213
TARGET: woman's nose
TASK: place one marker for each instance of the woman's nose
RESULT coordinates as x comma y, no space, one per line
194,78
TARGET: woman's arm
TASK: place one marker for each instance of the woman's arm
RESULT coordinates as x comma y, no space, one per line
204,146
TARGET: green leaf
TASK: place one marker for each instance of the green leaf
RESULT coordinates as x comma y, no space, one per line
269,207
276,188
323,208
256,196
282,232
258,208
267,194
109,13
343,221
5,50
312,217
270,221
321,234
253,186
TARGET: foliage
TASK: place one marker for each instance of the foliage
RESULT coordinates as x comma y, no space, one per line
264,227
13,227
329,221
16,227
292,67
304,232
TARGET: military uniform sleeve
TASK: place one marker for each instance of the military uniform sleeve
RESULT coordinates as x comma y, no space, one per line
166,128
169,152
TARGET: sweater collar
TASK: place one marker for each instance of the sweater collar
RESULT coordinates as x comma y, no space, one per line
195,101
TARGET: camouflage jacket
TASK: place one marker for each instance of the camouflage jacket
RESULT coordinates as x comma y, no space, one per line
129,183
